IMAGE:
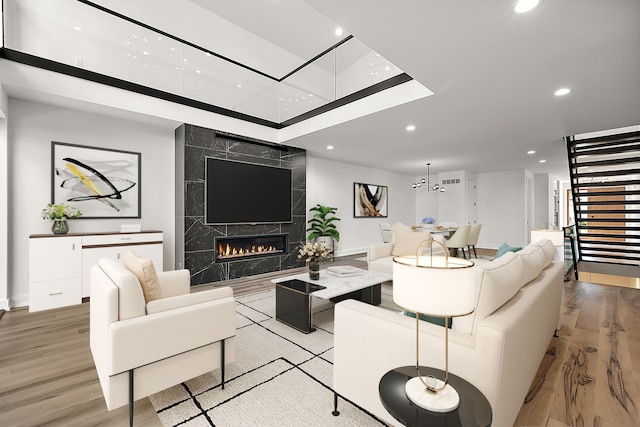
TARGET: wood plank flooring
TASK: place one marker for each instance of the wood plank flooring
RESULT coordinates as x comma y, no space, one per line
589,376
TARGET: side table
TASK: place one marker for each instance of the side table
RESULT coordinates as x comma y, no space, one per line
474,408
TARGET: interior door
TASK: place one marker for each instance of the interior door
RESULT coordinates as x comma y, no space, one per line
472,202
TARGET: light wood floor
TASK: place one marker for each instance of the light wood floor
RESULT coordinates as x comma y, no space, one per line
590,375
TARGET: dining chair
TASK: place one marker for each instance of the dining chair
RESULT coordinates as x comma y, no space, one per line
459,240
474,233
385,229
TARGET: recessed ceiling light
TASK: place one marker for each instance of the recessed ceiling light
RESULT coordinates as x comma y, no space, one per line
562,92
531,152
238,85
526,5
411,128
329,147
542,161
339,31
144,52
77,28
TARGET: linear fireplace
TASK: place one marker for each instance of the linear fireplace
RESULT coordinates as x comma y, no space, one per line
232,248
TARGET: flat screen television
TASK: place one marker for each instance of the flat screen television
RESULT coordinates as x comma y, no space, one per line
245,193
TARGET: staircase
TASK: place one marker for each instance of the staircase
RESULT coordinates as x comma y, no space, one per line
605,190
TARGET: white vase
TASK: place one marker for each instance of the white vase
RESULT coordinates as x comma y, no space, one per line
328,241
428,226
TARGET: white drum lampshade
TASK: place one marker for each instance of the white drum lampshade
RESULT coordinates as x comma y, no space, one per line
439,286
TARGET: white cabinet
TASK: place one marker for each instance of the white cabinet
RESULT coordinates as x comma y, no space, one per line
59,266
148,246
55,272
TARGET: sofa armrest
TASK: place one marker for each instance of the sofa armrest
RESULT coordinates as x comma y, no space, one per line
176,282
178,301
378,251
143,340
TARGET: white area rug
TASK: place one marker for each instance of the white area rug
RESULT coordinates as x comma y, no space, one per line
281,377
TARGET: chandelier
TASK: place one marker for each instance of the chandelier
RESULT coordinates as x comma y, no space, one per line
426,181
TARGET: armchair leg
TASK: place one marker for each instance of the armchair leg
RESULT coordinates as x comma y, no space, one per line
130,397
222,360
335,412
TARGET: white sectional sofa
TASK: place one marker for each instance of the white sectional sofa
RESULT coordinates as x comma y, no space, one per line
498,348
380,256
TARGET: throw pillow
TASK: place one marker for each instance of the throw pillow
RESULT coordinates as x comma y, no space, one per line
504,248
406,243
144,270
431,319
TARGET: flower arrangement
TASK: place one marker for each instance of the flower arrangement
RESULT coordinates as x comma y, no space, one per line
314,252
428,220
60,212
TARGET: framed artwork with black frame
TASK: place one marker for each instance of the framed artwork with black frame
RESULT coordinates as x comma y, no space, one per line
100,182
370,200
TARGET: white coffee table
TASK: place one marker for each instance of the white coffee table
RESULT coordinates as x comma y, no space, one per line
294,302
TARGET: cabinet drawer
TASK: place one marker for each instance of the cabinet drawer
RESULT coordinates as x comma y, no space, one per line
54,294
120,239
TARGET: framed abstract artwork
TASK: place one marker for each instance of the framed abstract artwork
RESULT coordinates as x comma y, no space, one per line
100,182
369,200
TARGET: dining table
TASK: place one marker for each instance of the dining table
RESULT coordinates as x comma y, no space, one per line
446,231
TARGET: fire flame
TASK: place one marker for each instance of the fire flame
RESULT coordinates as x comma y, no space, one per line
226,251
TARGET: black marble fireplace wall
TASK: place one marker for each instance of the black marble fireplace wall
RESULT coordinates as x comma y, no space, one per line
194,239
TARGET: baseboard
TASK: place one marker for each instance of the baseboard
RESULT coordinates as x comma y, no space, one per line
19,301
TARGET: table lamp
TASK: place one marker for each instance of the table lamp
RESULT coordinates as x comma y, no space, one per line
434,285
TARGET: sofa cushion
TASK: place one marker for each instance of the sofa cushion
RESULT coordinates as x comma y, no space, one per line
496,282
406,242
504,248
533,262
549,250
144,270
131,301
501,281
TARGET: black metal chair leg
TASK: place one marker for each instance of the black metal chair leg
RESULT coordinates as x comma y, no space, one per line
335,412
130,397
222,360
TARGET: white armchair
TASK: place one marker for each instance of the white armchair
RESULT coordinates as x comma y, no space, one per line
158,344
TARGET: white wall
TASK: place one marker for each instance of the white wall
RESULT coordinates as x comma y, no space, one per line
31,128
544,201
501,208
453,202
4,195
330,183
427,203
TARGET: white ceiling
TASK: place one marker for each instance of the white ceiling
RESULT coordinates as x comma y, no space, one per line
493,72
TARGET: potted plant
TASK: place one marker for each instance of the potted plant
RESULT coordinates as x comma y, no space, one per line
60,214
322,227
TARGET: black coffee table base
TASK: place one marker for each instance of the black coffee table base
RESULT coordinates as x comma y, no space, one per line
474,408
294,304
